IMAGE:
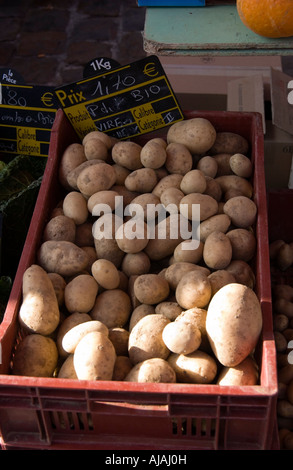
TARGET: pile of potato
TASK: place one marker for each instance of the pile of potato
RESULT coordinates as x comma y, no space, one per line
103,305
282,296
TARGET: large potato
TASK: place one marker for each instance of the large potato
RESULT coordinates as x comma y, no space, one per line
94,357
153,154
112,307
80,293
39,310
127,154
62,257
135,264
243,243
179,159
96,178
241,210
132,235
229,142
234,323
95,148
193,290
207,204
105,273
217,251
181,337
75,207
245,373
74,174
142,180
151,288
59,228
145,339
35,356
71,158
154,370
73,336
197,367
241,165
194,181
197,134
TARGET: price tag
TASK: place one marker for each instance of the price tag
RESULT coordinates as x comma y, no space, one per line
123,102
27,114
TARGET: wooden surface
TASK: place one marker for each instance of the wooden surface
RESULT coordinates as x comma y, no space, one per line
210,30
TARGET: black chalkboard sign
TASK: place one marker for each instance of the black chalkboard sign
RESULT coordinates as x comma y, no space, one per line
123,102
27,114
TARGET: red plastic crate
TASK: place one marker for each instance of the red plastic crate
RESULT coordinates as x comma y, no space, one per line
52,413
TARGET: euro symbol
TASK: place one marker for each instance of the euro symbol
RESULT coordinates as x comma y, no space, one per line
150,69
47,99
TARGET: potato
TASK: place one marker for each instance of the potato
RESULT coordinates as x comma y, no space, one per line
197,317
139,312
95,148
284,257
92,256
74,174
285,408
145,201
215,223
179,158
176,271
165,238
127,154
62,257
121,173
280,322
208,165
242,272
94,178
153,154
194,181
280,341
217,251
245,373
193,290
168,181
39,310
107,140
59,285
142,180
234,323
214,190
274,248
197,367
35,356
119,338
122,367
182,253
208,206
67,370
229,142
80,293
236,183
170,309
136,264
154,370
171,196
223,163
73,336
94,357
75,207
220,278
132,235
243,244
71,158
60,227
197,134
104,239
145,339
181,337
105,273
107,197
112,307
241,210
151,289
84,234
284,291
67,324
241,165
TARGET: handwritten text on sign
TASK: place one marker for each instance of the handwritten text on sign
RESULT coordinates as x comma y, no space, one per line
27,114
124,102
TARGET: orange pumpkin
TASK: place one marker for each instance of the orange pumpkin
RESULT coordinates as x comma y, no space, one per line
268,18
